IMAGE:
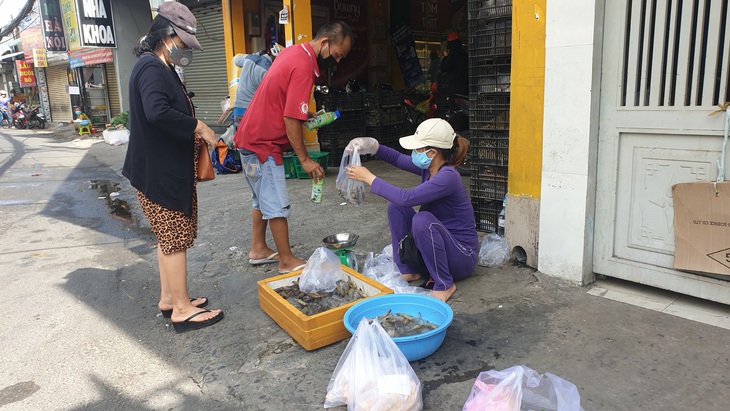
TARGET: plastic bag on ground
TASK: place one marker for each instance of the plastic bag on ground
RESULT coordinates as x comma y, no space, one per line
321,272
350,190
227,137
116,137
494,251
382,269
373,374
521,388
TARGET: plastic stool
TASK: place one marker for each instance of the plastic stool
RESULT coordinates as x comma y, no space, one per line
85,130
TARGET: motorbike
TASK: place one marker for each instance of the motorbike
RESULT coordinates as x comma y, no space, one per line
35,118
19,117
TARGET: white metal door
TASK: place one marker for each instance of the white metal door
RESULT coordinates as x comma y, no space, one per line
665,67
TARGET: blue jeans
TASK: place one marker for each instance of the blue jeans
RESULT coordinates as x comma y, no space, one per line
268,185
5,116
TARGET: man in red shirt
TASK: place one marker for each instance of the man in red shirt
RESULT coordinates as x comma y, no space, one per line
272,123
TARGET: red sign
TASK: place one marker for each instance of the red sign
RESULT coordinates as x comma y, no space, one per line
88,56
32,38
25,73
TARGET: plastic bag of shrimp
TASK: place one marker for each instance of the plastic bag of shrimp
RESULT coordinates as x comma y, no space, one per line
350,190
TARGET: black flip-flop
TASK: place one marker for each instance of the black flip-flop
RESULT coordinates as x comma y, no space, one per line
188,325
168,313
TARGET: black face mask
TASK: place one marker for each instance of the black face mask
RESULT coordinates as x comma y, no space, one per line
326,63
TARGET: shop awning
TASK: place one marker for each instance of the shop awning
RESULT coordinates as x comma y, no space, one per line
11,55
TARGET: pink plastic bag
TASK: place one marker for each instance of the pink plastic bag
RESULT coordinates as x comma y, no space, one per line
521,388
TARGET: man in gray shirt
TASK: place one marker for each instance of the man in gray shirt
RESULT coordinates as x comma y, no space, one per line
253,68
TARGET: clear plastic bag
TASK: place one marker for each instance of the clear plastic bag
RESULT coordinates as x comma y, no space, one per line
227,137
382,269
522,388
494,251
373,374
350,190
321,272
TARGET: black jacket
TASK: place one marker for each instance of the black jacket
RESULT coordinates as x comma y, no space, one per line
456,65
159,160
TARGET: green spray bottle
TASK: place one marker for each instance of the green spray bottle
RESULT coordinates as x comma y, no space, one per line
322,120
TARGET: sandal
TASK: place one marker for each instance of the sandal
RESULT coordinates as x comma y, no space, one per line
168,313
188,325
428,284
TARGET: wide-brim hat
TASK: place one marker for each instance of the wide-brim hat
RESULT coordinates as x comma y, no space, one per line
183,22
433,132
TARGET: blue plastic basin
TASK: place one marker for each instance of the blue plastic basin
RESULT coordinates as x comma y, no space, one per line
414,347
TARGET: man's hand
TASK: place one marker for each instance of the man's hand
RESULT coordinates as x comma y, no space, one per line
313,168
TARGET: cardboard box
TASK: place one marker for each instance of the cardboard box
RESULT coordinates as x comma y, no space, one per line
318,330
702,227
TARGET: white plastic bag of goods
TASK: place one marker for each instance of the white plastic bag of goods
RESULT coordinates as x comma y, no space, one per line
116,137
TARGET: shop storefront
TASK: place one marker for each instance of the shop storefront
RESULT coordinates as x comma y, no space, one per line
206,76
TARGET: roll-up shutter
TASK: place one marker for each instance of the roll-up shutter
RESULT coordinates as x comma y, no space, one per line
206,76
112,89
58,94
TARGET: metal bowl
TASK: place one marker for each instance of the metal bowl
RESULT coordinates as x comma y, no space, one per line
341,240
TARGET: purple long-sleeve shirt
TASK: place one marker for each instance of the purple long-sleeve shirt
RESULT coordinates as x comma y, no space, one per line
444,195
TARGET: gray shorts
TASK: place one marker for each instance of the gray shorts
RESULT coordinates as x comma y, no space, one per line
268,185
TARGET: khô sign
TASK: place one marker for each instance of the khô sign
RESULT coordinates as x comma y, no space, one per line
39,58
96,26
26,75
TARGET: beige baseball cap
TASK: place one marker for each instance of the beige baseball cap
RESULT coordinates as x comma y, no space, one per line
433,132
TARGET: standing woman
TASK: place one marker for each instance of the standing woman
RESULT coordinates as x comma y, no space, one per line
443,229
162,156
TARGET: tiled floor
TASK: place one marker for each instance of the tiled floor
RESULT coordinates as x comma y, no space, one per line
679,305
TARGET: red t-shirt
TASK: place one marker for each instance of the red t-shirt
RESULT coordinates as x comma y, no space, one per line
284,92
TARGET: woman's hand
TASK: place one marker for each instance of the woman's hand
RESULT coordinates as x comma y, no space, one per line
360,173
206,134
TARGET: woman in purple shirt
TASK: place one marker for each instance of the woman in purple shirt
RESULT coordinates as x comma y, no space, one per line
443,229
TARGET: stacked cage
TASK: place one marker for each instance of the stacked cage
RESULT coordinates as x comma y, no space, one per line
385,117
333,138
490,48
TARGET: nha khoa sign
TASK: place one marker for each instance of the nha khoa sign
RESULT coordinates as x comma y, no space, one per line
96,26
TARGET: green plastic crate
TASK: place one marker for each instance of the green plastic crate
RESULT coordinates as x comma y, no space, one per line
293,168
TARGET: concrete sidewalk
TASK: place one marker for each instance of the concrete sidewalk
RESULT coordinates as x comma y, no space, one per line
621,357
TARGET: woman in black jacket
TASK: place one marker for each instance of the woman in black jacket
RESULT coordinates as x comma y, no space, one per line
162,156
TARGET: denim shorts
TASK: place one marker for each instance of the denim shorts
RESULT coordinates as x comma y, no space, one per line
268,185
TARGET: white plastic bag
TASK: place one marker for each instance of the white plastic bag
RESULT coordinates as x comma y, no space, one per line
352,191
227,137
373,374
382,269
116,137
521,388
321,272
494,251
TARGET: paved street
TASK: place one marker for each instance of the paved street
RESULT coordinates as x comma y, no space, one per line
80,329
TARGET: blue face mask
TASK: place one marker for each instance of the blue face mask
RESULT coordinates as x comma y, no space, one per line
78,113
421,160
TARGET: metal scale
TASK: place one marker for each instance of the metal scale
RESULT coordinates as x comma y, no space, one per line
341,245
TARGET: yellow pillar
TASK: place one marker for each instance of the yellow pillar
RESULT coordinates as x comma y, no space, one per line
526,120
298,31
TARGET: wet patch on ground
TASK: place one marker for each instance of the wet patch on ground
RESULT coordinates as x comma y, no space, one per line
110,191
